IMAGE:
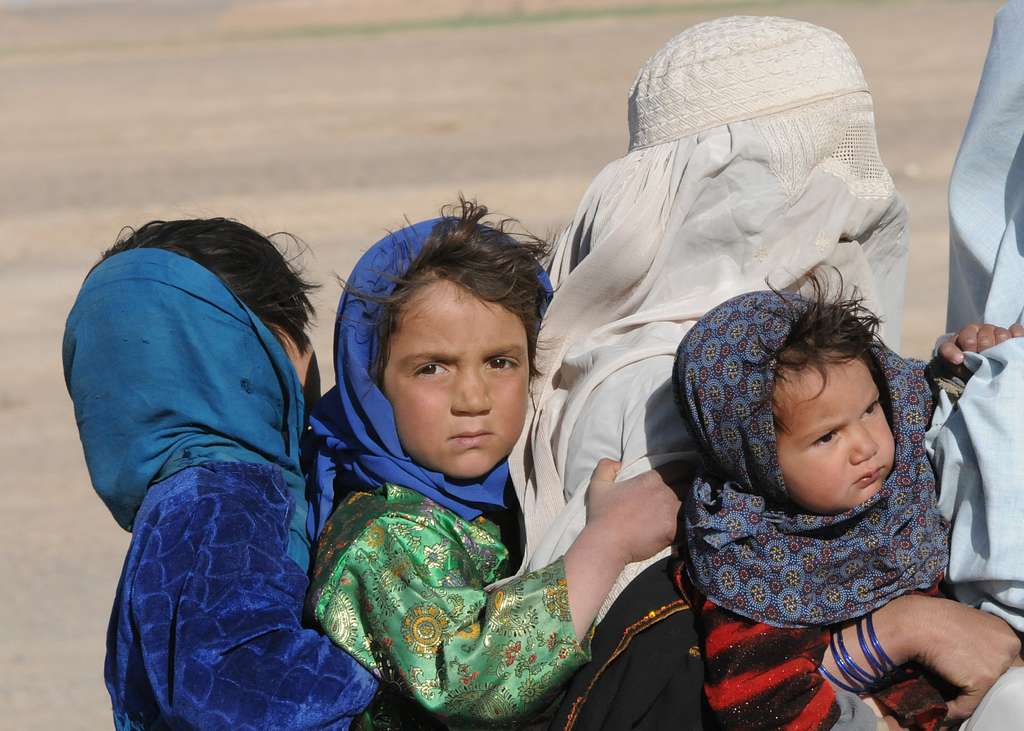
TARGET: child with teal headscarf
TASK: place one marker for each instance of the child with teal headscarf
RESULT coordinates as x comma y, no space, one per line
435,343
190,411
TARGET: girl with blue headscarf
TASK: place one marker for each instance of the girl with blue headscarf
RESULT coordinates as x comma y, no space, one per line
190,411
434,347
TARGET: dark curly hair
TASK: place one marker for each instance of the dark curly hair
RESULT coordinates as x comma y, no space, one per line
481,257
827,329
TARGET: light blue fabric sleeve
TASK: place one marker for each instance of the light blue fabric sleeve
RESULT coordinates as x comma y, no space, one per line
986,191
977,447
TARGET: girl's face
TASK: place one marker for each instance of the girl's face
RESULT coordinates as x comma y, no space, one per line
837,447
457,376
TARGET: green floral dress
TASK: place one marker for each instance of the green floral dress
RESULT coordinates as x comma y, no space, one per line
400,584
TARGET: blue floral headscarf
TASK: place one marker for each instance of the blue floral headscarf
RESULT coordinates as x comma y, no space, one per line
168,370
750,548
353,442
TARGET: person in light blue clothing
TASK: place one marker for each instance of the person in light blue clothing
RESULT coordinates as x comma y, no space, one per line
986,191
977,435
186,355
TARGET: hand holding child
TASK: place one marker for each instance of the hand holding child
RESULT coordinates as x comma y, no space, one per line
638,515
969,648
627,521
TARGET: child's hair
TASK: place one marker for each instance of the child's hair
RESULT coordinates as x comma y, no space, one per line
484,259
827,330
247,262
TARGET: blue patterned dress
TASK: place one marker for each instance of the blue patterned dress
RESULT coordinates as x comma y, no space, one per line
205,631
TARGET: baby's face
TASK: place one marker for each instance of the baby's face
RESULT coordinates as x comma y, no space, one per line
457,376
836,448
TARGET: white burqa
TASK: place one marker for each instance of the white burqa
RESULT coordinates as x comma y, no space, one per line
752,157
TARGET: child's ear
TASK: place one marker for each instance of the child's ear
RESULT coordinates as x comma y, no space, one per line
311,381
306,367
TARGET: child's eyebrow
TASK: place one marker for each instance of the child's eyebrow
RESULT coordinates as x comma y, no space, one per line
510,349
431,356
439,356
818,428
830,423
873,399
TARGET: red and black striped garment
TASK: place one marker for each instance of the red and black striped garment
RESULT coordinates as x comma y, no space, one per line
761,677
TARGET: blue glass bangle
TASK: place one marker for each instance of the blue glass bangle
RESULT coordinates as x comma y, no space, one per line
838,683
850,668
876,665
877,645
840,662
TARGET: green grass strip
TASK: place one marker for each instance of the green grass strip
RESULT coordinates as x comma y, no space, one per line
470,22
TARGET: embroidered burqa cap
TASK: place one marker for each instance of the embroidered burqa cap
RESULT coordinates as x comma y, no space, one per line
752,157
750,548
737,68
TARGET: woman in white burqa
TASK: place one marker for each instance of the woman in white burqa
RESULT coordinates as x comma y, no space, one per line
752,159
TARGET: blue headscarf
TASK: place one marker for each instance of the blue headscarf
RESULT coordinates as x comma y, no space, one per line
751,549
353,441
168,370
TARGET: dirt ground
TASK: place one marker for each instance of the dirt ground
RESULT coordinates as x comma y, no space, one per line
333,121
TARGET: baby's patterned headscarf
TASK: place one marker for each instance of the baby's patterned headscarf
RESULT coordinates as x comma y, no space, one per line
750,548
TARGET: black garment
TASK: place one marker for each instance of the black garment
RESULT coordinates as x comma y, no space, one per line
646,670
510,523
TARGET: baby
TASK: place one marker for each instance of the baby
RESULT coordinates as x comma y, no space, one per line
815,505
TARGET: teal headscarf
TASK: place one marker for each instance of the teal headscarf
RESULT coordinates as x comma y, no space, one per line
168,370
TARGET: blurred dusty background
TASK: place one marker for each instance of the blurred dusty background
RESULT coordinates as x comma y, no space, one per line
332,120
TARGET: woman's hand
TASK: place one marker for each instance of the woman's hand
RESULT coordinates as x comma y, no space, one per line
627,521
969,648
639,515
977,337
